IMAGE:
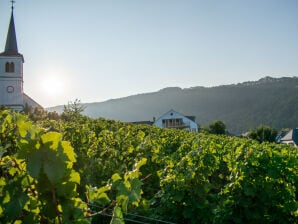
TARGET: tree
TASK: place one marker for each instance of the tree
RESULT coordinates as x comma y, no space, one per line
38,114
53,115
217,127
27,109
73,110
263,133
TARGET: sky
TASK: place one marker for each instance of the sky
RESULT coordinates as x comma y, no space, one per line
105,49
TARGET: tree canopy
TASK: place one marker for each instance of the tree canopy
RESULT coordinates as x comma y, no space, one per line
217,127
263,133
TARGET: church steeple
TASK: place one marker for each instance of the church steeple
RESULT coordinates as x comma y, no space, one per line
11,46
11,73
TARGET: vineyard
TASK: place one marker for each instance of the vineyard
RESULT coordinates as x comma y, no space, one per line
83,170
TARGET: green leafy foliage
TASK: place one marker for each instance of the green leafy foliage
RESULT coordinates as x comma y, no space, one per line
38,182
217,127
99,171
263,133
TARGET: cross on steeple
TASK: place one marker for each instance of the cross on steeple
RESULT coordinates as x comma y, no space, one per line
12,3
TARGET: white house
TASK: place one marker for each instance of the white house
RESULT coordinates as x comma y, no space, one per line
173,119
291,138
11,73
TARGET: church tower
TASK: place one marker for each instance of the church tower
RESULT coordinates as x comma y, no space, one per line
11,71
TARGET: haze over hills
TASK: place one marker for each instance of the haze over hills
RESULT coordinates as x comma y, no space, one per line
270,101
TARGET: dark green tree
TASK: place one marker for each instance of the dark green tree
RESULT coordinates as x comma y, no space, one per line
217,127
2,107
263,133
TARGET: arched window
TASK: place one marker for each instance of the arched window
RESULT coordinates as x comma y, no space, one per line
9,67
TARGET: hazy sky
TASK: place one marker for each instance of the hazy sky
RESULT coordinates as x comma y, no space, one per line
97,50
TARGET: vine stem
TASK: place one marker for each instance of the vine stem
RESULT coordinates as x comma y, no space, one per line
56,205
103,211
149,175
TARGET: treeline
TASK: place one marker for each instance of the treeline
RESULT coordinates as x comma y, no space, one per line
262,133
242,107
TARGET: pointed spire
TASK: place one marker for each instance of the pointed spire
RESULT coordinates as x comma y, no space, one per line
11,46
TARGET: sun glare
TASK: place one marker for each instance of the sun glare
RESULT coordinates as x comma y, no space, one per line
53,86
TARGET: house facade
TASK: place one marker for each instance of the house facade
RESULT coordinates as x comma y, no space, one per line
291,138
12,95
173,119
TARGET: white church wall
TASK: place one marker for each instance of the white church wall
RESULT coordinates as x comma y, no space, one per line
18,65
11,92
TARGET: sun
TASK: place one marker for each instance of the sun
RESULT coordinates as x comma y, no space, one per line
53,86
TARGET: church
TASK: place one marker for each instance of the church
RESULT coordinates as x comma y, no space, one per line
12,95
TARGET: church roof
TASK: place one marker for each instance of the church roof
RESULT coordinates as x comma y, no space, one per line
11,46
30,102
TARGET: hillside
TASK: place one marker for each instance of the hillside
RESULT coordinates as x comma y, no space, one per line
270,101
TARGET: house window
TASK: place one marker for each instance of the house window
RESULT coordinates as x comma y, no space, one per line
9,67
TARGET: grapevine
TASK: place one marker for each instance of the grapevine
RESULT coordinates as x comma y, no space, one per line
87,170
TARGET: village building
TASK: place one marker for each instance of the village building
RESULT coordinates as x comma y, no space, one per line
12,95
291,138
173,119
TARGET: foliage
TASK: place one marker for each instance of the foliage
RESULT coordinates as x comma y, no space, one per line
217,127
73,110
263,134
95,170
39,114
38,183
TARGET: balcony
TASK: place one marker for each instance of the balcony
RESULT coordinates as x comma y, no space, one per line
175,123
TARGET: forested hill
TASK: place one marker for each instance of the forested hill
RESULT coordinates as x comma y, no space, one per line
270,101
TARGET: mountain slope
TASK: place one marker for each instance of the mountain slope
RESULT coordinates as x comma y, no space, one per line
270,101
